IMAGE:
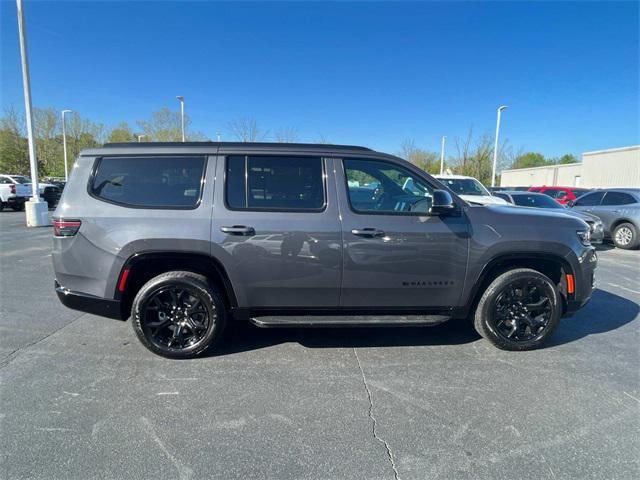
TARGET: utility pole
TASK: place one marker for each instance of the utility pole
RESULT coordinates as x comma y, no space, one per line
495,147
442,155
181,100
64,146
36,210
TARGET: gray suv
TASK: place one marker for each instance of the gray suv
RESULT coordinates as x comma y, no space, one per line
619,210
186,237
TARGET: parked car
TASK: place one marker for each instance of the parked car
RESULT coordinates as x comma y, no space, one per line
619,210
185,237
12,193
48,192
538,200
469,189
493,190
562,195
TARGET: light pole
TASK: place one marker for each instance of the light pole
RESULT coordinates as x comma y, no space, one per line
36,210
181,99
64,145
140,137
495,147
442,155
218,136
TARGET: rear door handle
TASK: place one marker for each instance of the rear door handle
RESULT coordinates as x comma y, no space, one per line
238,230
367,232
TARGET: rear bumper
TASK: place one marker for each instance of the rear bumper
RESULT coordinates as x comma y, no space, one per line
103,307
16,200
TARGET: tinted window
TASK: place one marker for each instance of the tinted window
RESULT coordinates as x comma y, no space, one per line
618,198
382,187
555,193
160,182
503,196
589,200
4,180
535,200
274,182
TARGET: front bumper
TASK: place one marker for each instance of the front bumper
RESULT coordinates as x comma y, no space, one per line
103,307
585,281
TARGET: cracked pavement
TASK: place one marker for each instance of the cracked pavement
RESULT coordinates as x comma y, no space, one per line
81,399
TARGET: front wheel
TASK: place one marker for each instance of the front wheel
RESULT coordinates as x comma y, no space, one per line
625,236
178,314
519,310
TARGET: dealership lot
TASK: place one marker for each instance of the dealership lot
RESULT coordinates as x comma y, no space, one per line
81,398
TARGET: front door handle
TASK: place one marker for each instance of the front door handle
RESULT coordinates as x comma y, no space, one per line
238,230
367,232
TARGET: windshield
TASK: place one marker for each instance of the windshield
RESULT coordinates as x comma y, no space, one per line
536,200
465,186
21,179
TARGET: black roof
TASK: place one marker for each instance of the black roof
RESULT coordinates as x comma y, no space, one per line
236,145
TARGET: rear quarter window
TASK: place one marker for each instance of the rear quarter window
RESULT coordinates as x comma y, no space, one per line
149,182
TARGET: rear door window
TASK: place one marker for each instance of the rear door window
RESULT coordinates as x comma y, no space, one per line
150,182
618,198
283,183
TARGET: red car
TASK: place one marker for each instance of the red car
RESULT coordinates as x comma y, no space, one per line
562,195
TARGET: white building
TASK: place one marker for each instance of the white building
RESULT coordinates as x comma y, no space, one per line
616,167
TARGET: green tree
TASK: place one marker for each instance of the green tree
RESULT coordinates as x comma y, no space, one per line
567,158
14,151
121,133
530,159
427,161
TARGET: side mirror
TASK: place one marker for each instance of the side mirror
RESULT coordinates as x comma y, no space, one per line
442,203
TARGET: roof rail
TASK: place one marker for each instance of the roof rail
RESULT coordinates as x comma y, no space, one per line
235,144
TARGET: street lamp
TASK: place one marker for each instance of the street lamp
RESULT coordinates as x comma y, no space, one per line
140,137
218,136
181,100
64,145
495,147
36,210
442,155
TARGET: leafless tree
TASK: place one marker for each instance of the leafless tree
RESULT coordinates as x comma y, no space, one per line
245,129
286,135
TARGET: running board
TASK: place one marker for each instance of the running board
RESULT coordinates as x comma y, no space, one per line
349,321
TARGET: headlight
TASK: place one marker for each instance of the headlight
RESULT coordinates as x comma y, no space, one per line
584,236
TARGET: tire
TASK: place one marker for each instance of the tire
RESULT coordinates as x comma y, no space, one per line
160,311
17,207
625,236
498,310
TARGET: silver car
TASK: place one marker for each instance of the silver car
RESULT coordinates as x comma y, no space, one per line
619,210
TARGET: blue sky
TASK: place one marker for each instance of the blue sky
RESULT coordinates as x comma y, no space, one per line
358,73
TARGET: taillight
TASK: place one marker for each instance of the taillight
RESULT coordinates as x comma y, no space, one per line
12,188
66,228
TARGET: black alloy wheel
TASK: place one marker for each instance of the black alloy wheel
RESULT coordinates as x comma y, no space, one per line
178,314
519,310
522,310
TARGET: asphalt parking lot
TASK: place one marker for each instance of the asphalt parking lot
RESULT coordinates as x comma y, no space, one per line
81,398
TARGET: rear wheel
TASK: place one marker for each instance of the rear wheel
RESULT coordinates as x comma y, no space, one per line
178,314
519,310
625,236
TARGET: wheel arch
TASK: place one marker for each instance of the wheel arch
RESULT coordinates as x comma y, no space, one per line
553,266
141,267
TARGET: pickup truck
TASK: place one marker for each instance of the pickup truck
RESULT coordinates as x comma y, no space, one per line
13,194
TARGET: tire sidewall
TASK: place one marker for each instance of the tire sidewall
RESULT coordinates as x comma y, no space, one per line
211,299
484,311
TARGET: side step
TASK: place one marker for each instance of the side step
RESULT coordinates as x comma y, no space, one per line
348,321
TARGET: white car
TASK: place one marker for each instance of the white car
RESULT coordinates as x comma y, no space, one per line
13,194
470,190
22,186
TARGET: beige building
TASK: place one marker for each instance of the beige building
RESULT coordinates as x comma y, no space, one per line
616,167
